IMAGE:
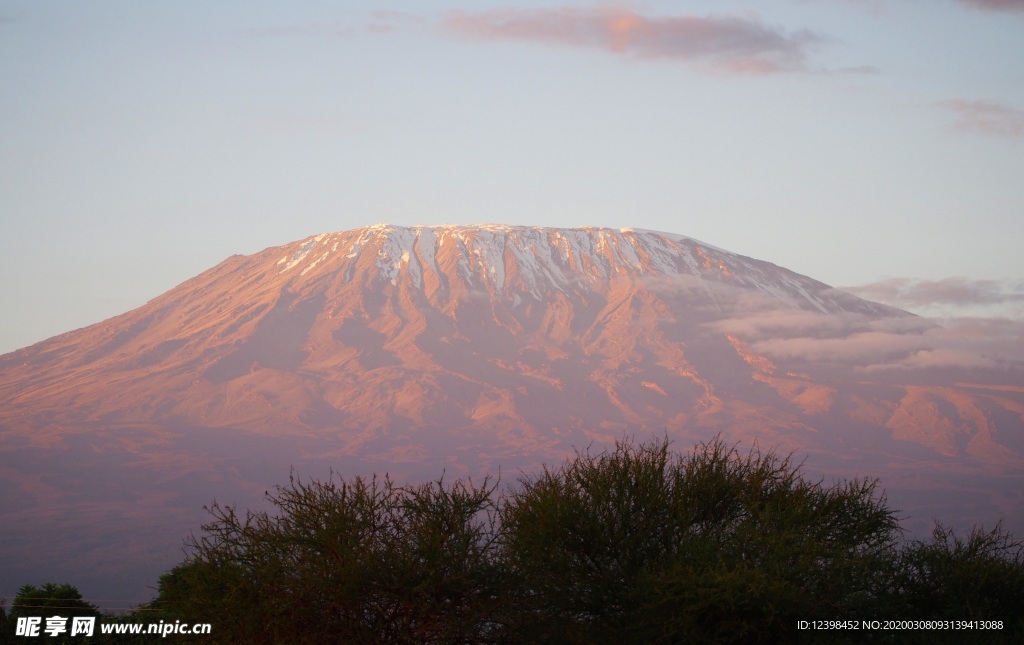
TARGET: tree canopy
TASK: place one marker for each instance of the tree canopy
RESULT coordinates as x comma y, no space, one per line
357,561
635,544
643,544
48,599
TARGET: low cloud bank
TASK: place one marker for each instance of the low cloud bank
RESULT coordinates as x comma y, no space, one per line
907,292
874,343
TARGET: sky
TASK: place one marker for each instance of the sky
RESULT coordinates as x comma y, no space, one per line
875,145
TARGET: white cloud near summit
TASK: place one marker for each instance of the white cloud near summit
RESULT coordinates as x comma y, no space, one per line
959,291
965,343
875,344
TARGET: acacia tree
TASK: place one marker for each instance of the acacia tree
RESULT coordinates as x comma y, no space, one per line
977,578
641,545
346,561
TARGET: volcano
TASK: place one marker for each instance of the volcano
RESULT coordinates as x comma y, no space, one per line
469,350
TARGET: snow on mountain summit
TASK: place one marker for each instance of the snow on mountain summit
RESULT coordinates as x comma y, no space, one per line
530,261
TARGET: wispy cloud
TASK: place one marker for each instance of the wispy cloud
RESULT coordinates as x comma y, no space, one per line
957,291
986,117
336,28
382,21
869,343
964,342
888,344
995,5
732,44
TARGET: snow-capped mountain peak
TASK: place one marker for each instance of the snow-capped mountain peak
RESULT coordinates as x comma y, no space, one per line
529,261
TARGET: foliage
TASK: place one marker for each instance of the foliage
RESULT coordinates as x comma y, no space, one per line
977,578
43,601
636,544
355,561
642,545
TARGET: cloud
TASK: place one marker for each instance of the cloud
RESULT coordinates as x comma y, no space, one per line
859,69
383,21
869,343
958,291
877,345
857,348
860,341
995,5
336,28
726,43
775,322
986,117
380,21
934,359
967,343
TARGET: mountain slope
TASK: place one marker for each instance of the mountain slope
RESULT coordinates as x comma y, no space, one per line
474,349
427,302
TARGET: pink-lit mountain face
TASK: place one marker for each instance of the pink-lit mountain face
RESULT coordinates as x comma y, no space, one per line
470,350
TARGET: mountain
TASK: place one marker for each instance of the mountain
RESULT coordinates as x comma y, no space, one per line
472,350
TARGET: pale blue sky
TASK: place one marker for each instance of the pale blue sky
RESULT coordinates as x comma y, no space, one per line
851,141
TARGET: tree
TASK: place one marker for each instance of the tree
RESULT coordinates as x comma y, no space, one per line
346,561
980,578
642,545
47,600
